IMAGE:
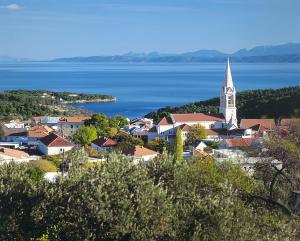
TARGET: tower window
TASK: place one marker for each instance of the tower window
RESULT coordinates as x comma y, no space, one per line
230,101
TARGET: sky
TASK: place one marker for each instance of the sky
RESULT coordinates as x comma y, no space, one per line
46,29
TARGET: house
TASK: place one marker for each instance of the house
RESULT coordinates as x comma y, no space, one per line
103,144
201,146
167,127
258,127
50,121
14,124
37,132
143,122
142,134
289,122
68,126
18,135
54,144
140,153
7,155
202,155
237,143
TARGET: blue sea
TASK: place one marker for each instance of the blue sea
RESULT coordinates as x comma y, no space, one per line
144,87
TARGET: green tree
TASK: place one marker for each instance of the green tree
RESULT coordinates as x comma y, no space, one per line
85,135
179,145
196,133
112,132
101,123
128,141
158,144
118,122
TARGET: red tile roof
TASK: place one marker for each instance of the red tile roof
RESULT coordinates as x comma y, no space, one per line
38,131
15,132
139,152
104,142
54,140
13,153
194,117
239,142
224,132
248,123
165,121
185,127
140,133
289,121
260,127
74,119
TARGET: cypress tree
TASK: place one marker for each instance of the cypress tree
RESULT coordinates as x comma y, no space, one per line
179,145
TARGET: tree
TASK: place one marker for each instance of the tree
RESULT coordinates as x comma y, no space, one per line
101,123
118,122
128,141
112,132
196,133
158,144
85,135
179,145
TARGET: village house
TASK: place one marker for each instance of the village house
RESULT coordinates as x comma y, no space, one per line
50,121
140,153
103,144
37,132
8,155
68,126
54,144
15,135
258,127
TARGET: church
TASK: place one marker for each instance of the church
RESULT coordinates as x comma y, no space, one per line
218,126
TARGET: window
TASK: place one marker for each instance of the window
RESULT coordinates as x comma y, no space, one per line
212,126
72,126
230,101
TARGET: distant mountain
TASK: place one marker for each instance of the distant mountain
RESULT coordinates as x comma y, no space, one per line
289,52
283,49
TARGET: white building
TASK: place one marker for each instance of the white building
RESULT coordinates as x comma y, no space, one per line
54,144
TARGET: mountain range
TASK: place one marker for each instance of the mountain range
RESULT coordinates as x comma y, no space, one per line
289,52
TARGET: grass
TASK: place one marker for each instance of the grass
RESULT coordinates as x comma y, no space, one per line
44,165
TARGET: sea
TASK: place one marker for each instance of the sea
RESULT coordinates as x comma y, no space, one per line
144,87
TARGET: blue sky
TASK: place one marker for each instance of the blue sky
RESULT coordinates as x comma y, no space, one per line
44,29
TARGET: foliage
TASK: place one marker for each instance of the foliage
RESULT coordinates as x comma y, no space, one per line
267,103
106,126
120,200
279,169
127,141
85,135
44,165
196,133
28,103
158,145
179,145
73,159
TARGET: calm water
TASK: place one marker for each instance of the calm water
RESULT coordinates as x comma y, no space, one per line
141,88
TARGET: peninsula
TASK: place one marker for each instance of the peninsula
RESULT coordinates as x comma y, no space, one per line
25,103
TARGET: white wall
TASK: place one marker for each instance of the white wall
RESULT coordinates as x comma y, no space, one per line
53,150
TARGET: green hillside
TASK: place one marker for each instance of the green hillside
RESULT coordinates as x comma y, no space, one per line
263,103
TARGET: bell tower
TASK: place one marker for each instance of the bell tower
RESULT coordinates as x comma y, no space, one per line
228,100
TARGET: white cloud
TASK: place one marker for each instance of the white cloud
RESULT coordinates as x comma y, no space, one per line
11,6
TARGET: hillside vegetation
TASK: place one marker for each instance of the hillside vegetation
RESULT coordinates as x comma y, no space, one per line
264,103
28,103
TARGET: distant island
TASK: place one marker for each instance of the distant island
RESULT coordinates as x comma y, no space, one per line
261,103
27,103
289,53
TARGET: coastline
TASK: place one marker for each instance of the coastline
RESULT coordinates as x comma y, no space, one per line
114,99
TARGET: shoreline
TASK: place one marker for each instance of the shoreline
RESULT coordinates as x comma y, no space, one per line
89,101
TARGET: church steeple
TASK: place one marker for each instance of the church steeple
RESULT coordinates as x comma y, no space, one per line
228,78
228,99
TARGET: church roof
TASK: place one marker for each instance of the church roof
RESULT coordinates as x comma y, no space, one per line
248,123
228,78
